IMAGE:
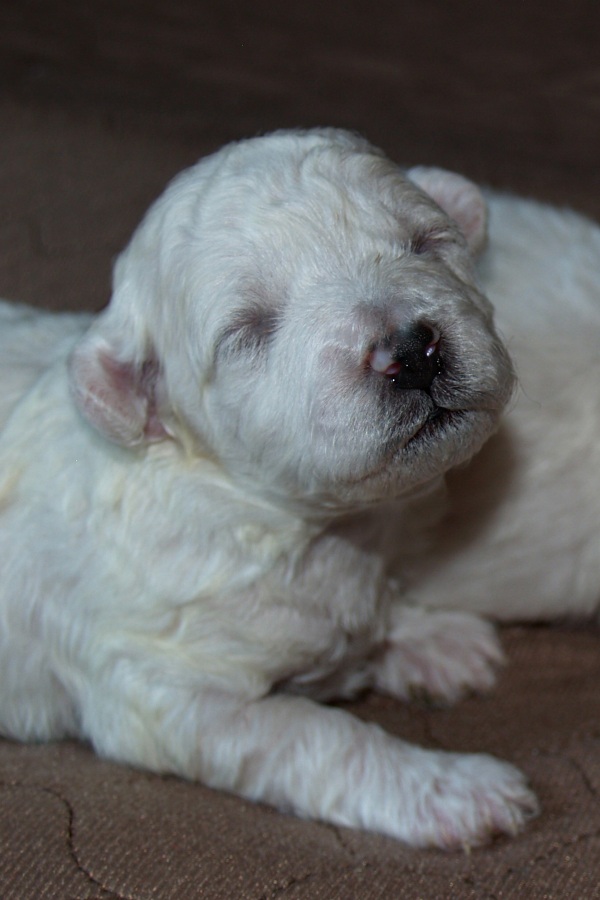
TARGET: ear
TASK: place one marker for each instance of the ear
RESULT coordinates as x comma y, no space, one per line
460,199
117,396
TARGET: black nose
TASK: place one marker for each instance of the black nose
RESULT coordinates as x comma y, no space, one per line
416,350
413,357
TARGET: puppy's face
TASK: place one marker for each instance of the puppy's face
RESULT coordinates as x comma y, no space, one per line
308,316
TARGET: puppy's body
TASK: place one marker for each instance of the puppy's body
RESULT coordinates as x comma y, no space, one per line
520,540
297,348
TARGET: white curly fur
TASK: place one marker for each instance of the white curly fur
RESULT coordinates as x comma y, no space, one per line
213,494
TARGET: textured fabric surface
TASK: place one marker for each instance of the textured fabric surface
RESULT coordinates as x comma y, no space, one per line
72,825
100,103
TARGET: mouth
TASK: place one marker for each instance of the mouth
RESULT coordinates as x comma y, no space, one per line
436,425
437,430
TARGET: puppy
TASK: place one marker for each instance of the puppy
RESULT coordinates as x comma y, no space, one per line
520,538
204,488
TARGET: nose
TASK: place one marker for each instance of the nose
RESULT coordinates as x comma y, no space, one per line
409,357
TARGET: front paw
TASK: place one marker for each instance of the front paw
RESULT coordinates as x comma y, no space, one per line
468,799
440,655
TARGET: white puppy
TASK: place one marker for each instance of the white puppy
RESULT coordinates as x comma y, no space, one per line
520,540
203,487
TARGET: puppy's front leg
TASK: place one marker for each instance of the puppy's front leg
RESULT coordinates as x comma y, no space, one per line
323,763
440,654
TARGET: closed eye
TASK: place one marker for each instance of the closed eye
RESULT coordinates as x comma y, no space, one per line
249,329
429,241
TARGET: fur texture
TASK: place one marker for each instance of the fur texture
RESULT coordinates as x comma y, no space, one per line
213,494
520,539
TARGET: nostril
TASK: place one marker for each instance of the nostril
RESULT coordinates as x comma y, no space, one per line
382,360
409,357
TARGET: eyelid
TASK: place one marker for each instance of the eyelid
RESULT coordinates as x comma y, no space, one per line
248,328
430,240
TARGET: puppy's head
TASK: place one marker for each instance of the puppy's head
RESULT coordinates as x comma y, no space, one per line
306,314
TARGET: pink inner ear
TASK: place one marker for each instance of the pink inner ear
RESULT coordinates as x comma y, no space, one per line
118,376
118,398
133,391
148,383
460,199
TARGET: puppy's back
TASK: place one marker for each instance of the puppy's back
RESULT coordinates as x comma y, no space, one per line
30,342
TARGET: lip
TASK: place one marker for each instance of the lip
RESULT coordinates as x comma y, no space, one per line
438,421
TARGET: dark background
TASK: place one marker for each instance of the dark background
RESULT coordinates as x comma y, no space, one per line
101,102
